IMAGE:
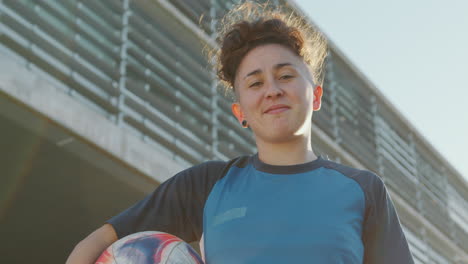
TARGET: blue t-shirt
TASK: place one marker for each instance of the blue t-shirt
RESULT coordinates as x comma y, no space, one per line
252,212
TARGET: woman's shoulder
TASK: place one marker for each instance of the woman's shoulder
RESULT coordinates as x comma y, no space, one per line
365,177
218,168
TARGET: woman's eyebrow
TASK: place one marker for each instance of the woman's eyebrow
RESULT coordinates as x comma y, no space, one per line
257,71
276,67
281,65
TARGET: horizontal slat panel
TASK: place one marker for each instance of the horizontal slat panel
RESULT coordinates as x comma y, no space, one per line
435,212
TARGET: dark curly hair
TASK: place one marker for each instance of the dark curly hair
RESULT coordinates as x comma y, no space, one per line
250,25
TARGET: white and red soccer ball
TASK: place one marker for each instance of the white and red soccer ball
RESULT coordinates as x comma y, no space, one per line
150,247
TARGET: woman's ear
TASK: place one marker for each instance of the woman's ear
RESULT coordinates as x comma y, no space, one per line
237,112
318,92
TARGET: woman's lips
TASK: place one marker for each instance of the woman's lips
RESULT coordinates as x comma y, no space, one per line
277,110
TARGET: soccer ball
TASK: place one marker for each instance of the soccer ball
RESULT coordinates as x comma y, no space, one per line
150,247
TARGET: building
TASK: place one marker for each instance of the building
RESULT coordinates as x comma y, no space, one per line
102,101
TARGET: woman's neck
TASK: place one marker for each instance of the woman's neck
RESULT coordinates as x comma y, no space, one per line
288,153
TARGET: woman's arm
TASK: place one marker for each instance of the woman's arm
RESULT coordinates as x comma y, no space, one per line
90,248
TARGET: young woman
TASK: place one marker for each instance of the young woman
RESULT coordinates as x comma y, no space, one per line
283,204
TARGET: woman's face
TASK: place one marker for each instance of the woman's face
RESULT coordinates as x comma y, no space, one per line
276,94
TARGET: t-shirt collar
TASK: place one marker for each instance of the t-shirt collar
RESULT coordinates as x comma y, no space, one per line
286,169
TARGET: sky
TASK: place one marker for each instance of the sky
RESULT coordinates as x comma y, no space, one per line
416,53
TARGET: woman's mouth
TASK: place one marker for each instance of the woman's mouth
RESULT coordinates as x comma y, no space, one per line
276,109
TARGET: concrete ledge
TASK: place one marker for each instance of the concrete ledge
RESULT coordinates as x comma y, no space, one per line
29,89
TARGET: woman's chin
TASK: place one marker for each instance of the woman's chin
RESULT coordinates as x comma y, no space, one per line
280,136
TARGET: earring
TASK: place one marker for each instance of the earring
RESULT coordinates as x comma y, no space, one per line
244,123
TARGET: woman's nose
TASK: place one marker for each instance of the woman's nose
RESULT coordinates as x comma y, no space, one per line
273,90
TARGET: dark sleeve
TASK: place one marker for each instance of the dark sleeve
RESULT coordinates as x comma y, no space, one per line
383,237
175,206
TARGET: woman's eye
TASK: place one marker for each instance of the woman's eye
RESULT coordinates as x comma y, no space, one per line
255,84
284,77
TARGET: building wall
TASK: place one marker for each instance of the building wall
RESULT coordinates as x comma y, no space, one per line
130,78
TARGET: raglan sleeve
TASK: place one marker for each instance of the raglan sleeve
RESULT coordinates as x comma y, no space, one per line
175,206
383,237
